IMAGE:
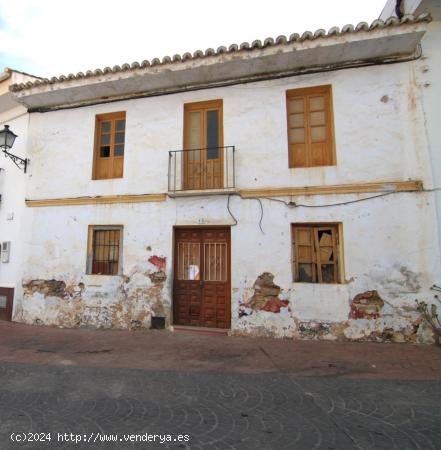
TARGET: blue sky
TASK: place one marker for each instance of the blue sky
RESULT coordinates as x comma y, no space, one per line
54,37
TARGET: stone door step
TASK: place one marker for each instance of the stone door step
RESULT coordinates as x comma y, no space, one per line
200,330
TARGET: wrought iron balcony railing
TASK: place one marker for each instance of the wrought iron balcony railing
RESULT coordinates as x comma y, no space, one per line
201,169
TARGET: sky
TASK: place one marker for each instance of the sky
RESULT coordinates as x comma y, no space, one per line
53,37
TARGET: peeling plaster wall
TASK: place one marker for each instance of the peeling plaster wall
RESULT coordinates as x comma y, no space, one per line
390,243
387,248
59,238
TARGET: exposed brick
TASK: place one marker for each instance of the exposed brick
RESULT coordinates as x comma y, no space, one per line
366,305
274,304
50,288
264,291
157,277
158,261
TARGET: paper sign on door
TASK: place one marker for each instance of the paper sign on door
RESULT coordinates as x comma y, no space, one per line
193,272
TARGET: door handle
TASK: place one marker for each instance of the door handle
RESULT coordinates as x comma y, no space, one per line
201,284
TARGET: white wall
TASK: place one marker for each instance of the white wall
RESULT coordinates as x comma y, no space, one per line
428,70
368,130
390,243
388,247
12,206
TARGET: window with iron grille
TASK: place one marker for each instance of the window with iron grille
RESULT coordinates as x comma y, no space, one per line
316,253
105,250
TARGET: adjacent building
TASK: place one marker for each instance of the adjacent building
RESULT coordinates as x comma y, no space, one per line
12,194
282,188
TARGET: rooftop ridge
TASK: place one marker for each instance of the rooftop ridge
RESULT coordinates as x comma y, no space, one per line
245,46
10,71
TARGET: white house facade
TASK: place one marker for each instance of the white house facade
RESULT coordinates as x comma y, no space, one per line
281,188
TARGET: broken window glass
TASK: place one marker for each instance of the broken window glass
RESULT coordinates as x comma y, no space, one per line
315,253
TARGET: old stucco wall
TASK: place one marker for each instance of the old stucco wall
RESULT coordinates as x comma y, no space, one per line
391,254
378,125
59,292
428,72
386,249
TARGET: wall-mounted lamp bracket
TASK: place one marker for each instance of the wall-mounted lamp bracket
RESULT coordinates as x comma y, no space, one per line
7,138
19,162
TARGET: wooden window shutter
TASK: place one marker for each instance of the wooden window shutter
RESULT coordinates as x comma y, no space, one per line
310,127
304,254
325,239
109,145
316,253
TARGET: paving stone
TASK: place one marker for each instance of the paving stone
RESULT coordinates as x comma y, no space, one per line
218,411
225,392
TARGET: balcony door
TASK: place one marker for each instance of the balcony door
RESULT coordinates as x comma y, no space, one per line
203,141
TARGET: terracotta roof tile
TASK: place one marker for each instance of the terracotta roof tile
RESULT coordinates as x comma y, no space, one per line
245,46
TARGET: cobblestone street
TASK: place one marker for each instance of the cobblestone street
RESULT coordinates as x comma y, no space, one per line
228,403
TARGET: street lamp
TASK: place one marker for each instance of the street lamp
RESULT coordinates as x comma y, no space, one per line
7,138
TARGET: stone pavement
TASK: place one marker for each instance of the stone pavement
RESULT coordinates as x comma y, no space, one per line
224,392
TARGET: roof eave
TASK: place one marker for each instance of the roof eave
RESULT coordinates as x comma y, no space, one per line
4,75
240,65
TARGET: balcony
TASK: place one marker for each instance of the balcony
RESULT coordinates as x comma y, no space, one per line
207,170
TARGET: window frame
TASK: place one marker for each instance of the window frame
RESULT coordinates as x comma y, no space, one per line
99,118
339,251
90,242
330,129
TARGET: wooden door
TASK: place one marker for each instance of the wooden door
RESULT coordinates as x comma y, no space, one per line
202,286
203,157
6,299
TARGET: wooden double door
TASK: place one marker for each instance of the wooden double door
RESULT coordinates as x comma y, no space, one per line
6,299
202,280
